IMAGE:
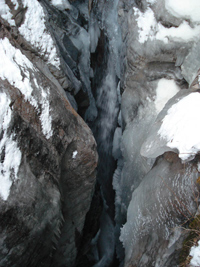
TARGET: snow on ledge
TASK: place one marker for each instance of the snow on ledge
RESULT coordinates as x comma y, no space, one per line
9,166
184,9
149,28
61,4
181,128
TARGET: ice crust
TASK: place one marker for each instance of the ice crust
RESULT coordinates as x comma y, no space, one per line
152,218
9,166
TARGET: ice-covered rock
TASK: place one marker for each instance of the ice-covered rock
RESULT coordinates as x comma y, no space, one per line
163,201
160,64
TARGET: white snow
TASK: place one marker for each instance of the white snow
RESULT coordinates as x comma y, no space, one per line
61,4
45,117
12,60
187,9
34,31
15,3
9,166
151,1
74,154
5,13
195,253
14,63
181,127
182,33
165,90
146,23
150,29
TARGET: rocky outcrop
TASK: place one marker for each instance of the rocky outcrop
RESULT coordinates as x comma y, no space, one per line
48,153
157,193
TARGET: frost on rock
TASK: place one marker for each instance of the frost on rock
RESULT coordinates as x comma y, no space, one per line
34,31
177,131
9,166
153,218
195,253
15,64
150,29
5,13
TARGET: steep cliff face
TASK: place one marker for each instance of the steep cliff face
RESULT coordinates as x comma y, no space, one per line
158,192
48,153
130,70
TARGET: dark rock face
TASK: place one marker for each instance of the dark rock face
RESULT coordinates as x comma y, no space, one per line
50,153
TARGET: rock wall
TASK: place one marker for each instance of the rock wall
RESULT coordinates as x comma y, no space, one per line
158,193
48,153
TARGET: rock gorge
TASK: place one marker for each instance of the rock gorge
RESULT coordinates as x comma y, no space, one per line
99,133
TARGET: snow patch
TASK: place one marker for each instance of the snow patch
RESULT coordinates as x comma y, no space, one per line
195,253
181,128
15,3
74,154
9,165
34,31
150,29
61,4
5,13
14,63
187,9
165,90
45,117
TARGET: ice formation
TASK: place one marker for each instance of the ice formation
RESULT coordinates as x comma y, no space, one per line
9,166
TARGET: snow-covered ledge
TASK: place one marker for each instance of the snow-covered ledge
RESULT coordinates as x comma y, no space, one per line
177,128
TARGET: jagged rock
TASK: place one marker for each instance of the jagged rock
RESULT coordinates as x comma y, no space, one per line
48,157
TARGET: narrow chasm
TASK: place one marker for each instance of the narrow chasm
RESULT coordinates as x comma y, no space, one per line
99,133
98,247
